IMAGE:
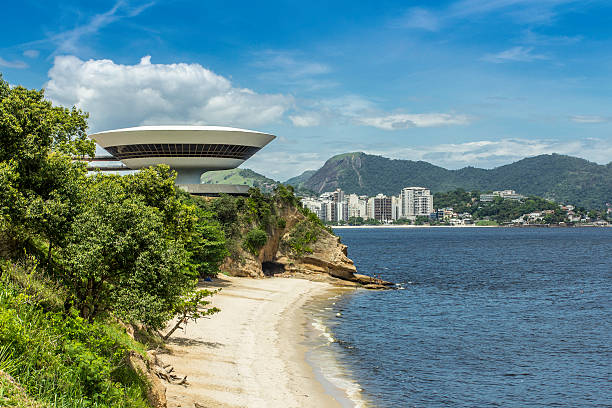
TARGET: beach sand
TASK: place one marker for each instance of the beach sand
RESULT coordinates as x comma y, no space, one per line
251,354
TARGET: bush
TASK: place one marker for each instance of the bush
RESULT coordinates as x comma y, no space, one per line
254,240
304,233
62,359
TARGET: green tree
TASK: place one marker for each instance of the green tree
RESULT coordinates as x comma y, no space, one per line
207,245
122,256
41,194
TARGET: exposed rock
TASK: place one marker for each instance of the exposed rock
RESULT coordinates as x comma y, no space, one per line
328,257
369,280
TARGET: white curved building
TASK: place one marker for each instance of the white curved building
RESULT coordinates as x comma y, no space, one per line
190,150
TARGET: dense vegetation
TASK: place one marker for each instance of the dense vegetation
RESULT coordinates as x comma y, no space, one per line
564,179
248,222
504,210
80,254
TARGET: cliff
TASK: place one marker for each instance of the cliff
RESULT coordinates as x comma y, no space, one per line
300,247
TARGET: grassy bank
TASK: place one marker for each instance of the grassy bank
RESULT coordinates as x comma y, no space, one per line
59,359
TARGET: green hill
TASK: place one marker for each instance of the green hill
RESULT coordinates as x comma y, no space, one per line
297,181
239,176
561,178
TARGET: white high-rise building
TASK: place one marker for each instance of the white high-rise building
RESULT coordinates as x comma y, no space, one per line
356,206
416,201
396,207
314,205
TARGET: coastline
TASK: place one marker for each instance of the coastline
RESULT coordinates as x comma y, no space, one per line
414,226
463,226
255,352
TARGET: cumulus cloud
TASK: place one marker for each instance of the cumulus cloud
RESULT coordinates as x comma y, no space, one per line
514,54
488,154
589,119
118,95
404,121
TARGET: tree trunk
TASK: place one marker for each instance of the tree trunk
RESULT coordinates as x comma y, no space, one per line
176,326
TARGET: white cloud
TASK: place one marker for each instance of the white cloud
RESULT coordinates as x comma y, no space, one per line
514,54
70,41
532,37
287,164
292,69
404,121
522,11
589,119
420,18
31,53
12,64
357,110
289,63
119,95
488,154
305,120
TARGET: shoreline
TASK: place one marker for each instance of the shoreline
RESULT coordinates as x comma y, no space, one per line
464,226
255,352
415,226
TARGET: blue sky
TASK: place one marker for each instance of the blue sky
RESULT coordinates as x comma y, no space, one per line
456,83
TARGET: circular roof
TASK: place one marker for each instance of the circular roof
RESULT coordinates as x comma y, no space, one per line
182,134
179,128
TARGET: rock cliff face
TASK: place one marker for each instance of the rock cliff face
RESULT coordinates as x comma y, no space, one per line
328,255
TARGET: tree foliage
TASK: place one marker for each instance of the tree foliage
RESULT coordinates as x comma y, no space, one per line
254,240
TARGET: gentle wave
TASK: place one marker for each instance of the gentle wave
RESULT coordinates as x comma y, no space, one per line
323,356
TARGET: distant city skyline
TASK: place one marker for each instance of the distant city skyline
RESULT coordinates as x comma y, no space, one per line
454,83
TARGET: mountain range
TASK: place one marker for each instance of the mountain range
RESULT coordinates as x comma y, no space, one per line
565,179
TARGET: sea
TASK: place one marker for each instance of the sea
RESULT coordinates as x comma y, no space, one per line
482,317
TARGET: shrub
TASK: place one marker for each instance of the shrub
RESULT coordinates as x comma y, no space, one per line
61,358
304,233
254,240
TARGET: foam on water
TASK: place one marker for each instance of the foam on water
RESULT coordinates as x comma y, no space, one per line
324,352
323,358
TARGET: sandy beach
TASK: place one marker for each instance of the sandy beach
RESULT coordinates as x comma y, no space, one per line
251,354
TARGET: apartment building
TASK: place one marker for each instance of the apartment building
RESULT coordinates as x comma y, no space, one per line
416,201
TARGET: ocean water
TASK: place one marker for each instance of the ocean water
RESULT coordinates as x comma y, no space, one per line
487,317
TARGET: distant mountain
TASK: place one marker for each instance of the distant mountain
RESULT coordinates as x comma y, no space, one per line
561,178
239,176
297,180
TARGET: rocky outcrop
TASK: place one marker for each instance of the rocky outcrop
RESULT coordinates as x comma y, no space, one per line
326,256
